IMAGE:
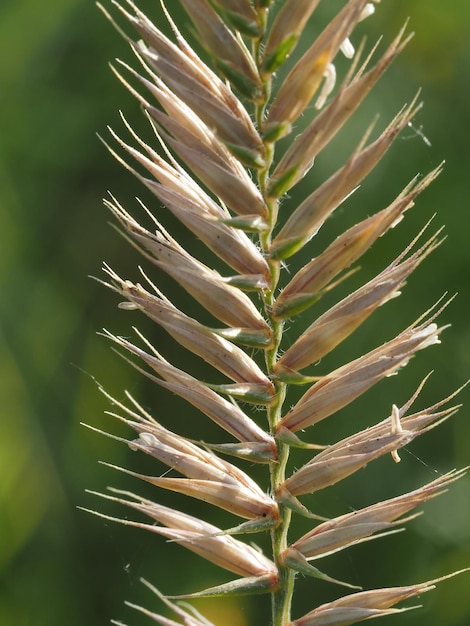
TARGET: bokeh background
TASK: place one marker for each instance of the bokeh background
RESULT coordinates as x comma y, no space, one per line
59,565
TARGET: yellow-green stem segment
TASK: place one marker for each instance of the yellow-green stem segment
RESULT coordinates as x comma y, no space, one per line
281,598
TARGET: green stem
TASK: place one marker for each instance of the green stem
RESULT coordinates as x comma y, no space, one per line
281,599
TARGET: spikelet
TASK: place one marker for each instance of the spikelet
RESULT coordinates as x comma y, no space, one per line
216,119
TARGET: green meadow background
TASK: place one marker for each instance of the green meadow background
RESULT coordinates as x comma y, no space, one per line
59,565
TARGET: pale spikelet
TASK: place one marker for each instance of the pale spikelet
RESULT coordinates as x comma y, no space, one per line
207,286
196,210
353,453
285,31
214,162
353,528
307,285
207,344
211,480
228,415
304,80
341,320
364,605
200,537
232,56
191,79
316,208
298,159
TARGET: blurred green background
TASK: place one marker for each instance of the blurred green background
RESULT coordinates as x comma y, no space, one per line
59,565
